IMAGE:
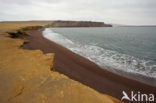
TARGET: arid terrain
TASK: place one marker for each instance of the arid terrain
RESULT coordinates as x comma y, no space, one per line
26,76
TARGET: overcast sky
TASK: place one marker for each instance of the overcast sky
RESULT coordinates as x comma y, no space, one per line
135,12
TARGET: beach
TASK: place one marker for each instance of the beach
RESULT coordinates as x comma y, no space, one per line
84,71
77,51
28,76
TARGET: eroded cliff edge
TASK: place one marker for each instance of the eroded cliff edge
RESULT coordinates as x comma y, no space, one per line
79,24
25,75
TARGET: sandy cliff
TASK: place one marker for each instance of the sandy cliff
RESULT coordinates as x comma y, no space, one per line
60,23
79,24
25,75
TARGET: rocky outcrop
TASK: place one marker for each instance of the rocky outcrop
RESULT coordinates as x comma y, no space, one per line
19,32
26,76
79,24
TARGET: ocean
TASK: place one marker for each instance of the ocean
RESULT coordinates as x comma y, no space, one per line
127,49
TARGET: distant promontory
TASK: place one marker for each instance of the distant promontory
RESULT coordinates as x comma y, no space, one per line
79,24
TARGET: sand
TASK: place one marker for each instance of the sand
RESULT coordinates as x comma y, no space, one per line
25,75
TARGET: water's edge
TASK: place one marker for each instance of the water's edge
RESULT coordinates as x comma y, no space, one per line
78,49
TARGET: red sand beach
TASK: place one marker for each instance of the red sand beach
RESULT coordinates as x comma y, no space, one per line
80,69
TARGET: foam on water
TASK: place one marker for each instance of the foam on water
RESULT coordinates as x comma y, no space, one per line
104,58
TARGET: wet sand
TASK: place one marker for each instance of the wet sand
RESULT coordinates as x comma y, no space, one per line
80,69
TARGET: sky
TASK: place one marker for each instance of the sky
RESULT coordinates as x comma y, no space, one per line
129,12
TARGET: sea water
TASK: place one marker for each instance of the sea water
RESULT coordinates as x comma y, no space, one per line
128,49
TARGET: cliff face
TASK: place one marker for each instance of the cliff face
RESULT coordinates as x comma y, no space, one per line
79,24
60,23
25,75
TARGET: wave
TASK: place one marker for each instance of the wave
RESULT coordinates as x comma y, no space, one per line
103,57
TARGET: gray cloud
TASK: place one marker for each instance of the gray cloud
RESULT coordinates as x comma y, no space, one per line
140,12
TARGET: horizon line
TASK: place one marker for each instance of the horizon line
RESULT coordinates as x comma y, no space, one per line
80,21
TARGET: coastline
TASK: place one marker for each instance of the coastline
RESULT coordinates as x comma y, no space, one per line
25,75
80,69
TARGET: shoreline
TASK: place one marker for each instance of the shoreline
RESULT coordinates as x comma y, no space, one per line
131,75
25,75
83,70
